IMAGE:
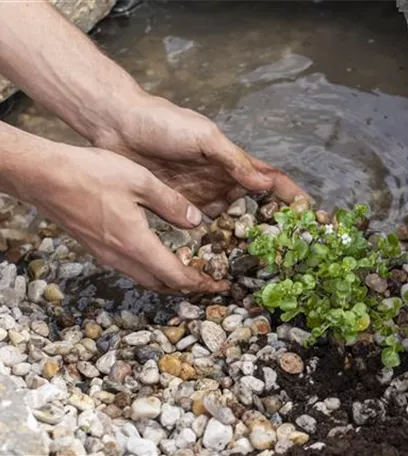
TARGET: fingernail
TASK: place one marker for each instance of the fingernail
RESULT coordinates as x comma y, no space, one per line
193,215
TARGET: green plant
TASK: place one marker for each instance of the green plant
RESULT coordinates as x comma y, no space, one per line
321,272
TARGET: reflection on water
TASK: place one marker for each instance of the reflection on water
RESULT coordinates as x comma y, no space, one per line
319,90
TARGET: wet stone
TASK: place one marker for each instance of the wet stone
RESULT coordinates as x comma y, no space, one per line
376,283
243,264
291,363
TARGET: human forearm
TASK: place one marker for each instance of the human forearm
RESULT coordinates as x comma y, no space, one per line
59,66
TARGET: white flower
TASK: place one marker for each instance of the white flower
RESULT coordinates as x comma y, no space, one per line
329,229
345,239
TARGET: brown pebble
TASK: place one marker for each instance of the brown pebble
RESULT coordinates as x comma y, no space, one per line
399,275
226,222
119,371
322,217
93,330
198,263
300,205
174,333
66,320
198,406
376,283
238,292
187,372
113,411
122,399
50,369
402,232
170,364
256,311
184,254
217,266
291,363
268,210
216,313
260,326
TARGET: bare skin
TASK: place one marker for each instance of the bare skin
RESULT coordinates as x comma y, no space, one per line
168,158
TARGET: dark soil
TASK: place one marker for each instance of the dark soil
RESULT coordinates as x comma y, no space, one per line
388,437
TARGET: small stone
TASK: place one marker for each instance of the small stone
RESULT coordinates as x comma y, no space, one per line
252,383
186,342
217,435
272,404
243,264
146,407
50,414
70,270
8,275
51,369
7,322
368,411
243,224
141,447
237,208
62,348
175,238
87,369
42,395
150,373
291,363
299,336
187,311
262,436
322,217
170,364
332,403
215,408
226,222
376,283
402,232
138,338
185,438
106,362
21,369
3,334
232,322
93,330
307,423
268,210
260,326
184,254
40,327
213,335
217,266
174,333
283,446
170,415
299,438
46,246
270,378
38,269
52,293
300,205
284,431
216,313
239,335
143,354
187,372
81,401
36,290
10,355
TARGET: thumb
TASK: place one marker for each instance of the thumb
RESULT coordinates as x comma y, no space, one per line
169,204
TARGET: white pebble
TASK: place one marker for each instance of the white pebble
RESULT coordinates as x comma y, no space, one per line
217,435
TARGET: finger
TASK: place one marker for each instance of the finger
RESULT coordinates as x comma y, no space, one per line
249,172
283,187
165,266
169,204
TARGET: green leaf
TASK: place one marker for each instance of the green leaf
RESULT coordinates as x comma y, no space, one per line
320,250
280,218
289,260
343,288
270,295
363,321
297,288
308,218
390,358
290,314
334,270
359,309
309,281
301,247
345,218
349,263
288,304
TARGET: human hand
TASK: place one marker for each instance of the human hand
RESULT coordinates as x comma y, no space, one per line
190,154
98,197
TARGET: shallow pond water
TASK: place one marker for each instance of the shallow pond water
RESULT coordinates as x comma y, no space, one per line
319,90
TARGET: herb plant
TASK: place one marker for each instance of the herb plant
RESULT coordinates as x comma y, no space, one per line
321,272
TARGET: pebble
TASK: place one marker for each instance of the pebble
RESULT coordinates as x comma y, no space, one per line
307,423
41,328
174,333
332,403
376,283
187,311
216,313
242,446
138,338
299,438
93,330
53,293
170,364
50,414
213,335
217,435
106,362
284,431
81,401
237,208
299,336
146,407
255,385
3,334
262,436
87,369
150,373
70,270
36,290
38,269
232,322
7,322
186,342
170,414
368,411
217,266
185,438
21,369
141,447
291,363
51,369
243,224
11,356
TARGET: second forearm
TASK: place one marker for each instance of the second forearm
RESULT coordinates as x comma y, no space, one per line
59,66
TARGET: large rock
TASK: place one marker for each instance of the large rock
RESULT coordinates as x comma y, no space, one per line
83,13
20,433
